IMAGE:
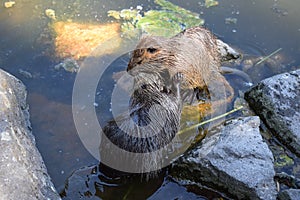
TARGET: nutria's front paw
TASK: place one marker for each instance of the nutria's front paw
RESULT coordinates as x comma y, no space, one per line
177,78
166,90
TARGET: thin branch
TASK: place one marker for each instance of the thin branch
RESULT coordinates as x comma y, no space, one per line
267,57
210,120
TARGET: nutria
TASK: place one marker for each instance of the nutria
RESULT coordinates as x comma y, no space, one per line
194,52
154,115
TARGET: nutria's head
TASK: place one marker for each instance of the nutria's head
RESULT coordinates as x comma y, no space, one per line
152,54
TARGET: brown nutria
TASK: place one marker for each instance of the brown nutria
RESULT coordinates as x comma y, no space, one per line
194,52
152,121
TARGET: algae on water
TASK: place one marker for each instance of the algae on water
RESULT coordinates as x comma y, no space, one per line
210,3
168,21
283,160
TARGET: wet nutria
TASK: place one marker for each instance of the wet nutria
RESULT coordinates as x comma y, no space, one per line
194,52
152,122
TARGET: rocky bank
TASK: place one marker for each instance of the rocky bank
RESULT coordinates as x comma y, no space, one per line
277,101
23,174
234,160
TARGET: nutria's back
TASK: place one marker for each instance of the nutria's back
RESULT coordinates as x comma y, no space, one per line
151,124
152,121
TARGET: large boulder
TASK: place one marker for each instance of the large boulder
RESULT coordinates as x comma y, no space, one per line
277,101
235,160
23,174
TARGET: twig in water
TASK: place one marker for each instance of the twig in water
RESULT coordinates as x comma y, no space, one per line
210,120
265,58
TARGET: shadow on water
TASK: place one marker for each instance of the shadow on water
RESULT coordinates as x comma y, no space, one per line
101,182
261,28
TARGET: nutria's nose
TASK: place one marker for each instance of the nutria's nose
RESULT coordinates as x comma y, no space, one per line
132,63
130,66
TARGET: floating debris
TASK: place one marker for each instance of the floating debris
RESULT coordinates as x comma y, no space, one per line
50,14
280,11
68,64
210,3
168,21
9,4
26,74
78,40
230,20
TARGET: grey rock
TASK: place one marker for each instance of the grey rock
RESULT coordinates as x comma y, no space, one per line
277,101
23,174
235,160
290,194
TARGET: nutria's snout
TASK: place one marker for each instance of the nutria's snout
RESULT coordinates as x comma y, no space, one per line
131,70
129,67
137,58
133,63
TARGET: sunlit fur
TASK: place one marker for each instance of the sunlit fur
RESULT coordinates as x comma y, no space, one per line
193,52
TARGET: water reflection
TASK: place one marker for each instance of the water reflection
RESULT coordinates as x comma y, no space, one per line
98,181
55,132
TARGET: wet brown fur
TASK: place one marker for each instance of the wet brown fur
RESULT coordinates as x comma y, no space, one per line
193,52
141,132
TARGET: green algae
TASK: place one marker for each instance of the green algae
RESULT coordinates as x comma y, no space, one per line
210,3
283,160
168,21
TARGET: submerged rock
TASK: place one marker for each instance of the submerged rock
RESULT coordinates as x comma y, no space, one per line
79,40
23,174
277,101
69,65
290,194
235,160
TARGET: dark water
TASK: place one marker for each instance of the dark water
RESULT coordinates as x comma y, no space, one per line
261,28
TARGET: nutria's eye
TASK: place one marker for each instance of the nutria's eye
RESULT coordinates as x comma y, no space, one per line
151,50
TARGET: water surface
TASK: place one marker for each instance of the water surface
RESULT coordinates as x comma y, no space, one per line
261,28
